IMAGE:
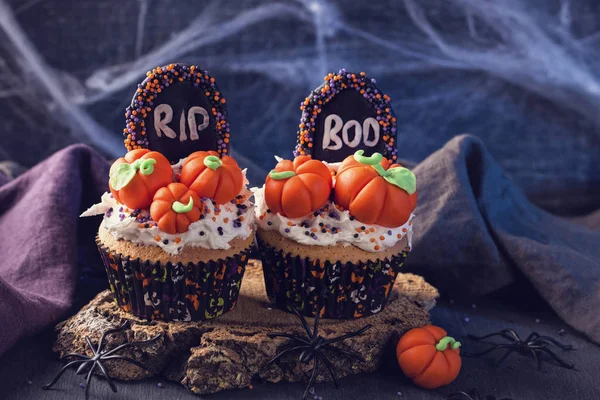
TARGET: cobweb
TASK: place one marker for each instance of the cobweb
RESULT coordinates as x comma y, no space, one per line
522,75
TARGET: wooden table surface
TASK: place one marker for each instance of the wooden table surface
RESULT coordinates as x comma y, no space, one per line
30,364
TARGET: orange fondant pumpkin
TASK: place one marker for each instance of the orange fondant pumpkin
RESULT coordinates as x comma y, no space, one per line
295,189
135,178
375,192
209,176
429,357
175,207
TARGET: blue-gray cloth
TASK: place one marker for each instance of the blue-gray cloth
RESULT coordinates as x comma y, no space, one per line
475,233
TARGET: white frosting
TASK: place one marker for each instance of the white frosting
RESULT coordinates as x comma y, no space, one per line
120,222
373,238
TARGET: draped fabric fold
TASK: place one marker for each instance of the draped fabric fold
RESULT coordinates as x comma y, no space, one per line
476,232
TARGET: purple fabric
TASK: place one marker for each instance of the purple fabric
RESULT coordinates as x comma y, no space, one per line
475,233
38,252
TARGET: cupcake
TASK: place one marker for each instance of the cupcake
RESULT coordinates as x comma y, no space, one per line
333,237
175,239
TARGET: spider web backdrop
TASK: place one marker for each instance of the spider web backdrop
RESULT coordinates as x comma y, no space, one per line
521,75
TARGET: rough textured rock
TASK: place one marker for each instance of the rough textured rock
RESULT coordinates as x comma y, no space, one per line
229,351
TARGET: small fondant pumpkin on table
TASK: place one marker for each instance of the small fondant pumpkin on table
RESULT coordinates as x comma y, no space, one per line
175,207
135,178
429,357
297,188
211,176
375,192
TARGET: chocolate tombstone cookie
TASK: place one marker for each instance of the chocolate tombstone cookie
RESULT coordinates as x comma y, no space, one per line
176,110
345,114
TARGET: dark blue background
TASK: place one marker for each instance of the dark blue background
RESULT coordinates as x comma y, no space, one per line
521,75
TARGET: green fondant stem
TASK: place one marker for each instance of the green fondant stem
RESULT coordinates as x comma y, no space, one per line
397,176
213,162
180,208
375,159
445,341
146,167
281,175
379,168
122,174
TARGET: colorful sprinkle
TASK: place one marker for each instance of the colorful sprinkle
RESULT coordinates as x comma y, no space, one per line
334,84
147,92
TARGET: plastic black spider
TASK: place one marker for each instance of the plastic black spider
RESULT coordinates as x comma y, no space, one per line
472,394
312,346
100,355
534,344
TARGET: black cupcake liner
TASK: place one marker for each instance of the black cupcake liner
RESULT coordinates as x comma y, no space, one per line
174,292
341,290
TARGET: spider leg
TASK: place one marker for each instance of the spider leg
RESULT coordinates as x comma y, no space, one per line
111,331
316,325
344,352
556,342
312,377
107,377
462,394
149,341
532,336
557,359
465,394
116,349
81,368
539,362
329,367
508,353
284,352
348,335
497,346
307,354
131,344
88,379
80,356
501,334
289,336
535,345
62,371
302,321
512,334
91,345
130,360
125,325
119,348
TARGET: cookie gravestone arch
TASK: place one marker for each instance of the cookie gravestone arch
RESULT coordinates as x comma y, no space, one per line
176,110
345,114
